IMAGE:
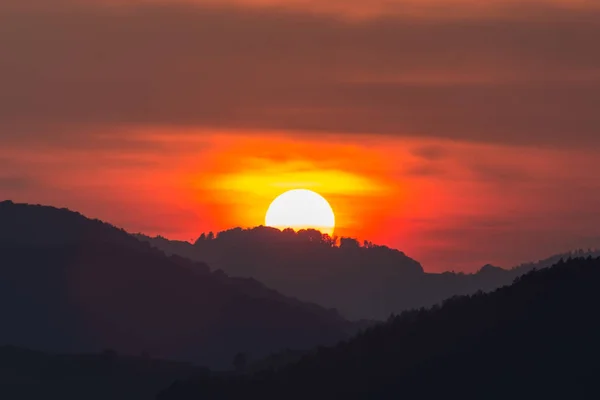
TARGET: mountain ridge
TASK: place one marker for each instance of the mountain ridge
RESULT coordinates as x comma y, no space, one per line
88,286
536,337
360,281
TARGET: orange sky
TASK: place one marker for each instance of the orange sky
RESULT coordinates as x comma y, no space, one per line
450,205
461,133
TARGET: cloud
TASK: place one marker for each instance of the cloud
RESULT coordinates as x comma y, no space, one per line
530,78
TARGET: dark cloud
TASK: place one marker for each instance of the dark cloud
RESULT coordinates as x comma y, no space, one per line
531,79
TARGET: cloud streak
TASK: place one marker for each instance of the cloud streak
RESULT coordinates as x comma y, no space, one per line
497,79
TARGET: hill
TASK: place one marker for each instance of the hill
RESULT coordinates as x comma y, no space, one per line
536,338
71,284
362,281
351,278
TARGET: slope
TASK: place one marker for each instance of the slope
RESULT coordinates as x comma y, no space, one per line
70,284
361,281
535,338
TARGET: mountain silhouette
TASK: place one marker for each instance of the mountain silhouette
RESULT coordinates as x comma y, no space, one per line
71,284
361,281
346,276
537,338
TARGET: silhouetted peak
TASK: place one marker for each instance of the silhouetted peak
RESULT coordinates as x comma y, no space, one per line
340,273
264,235
46,225
490,269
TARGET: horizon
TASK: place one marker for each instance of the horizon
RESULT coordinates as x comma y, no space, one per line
461,133
335,243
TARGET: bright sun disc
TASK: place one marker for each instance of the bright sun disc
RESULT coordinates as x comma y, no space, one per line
301,209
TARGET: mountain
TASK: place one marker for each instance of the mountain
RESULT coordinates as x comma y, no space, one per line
71,284
552,260
351,278
537,338
361,281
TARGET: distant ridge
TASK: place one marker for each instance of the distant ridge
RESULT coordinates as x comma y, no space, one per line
362,281
351,277
537,338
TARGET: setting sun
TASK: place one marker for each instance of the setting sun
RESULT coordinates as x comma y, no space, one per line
301,209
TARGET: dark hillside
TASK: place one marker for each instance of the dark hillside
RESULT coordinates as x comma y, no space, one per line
360,280
536,338
70,284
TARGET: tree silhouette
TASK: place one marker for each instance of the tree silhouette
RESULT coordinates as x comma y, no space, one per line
201,239
349,243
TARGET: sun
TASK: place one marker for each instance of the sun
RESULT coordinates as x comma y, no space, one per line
301,209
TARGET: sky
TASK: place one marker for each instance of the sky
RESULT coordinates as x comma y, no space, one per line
460,132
